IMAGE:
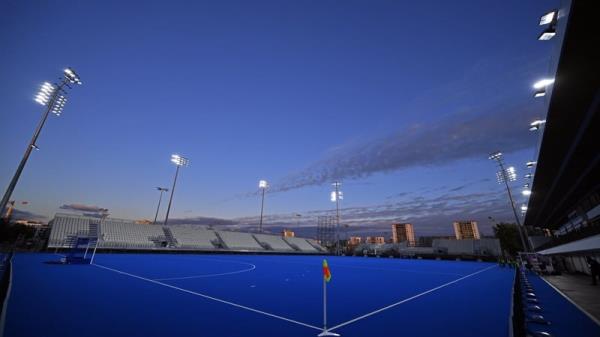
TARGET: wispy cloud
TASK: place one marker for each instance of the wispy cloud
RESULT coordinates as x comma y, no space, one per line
438,143
87,210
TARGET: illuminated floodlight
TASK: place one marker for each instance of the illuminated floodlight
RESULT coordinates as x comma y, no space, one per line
548,18
263,184
495,155
523,208
337,196
72,76
59,105
528,176
536,124
547,34
179,160
509,174
526,192
540,93
45,93
543,83
531,164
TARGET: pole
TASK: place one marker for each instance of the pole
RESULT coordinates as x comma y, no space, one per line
158,207
30,147
325,332
86,248
512,204
171,198
262,206
324,304
94,252
337,228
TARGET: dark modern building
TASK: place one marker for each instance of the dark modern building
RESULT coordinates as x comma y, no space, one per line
565,192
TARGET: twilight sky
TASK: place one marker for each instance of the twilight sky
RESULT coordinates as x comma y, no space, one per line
401,101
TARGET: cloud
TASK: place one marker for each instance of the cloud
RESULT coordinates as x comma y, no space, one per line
442,142
429,215
92,211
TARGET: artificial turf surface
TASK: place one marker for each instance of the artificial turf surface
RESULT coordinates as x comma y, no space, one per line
86,300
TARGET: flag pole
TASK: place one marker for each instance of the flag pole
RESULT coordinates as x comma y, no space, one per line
324,305
325,332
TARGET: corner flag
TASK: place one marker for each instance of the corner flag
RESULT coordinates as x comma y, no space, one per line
326,279
326,271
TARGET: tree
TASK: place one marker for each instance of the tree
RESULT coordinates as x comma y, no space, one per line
508,234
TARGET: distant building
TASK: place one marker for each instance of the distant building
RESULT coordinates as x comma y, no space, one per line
288,233
466,230
402,232
144,222
472,247
354,241
427,241
380,240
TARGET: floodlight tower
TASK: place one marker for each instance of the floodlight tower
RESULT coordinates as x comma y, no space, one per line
161,190
504,176
52,97
179,161
263,185
336,196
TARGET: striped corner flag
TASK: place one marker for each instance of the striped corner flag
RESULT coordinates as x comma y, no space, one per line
326,271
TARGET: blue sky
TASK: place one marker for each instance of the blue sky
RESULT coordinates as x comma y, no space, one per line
401,101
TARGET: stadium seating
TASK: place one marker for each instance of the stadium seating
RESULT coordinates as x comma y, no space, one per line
193,237
273,242
315,244
119,234
301,244
239,240
128,235
66,226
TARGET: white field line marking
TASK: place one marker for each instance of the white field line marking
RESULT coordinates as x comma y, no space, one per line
408,299
211,298
594,319
208,275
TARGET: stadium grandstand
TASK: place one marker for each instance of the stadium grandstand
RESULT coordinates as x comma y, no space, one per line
565,193
121,234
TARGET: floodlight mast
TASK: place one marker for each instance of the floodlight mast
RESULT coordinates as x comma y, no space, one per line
52,97
178,161
161,190
505,177
336,195
263,185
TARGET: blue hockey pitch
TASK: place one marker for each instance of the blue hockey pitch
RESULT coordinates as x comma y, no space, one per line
256,295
